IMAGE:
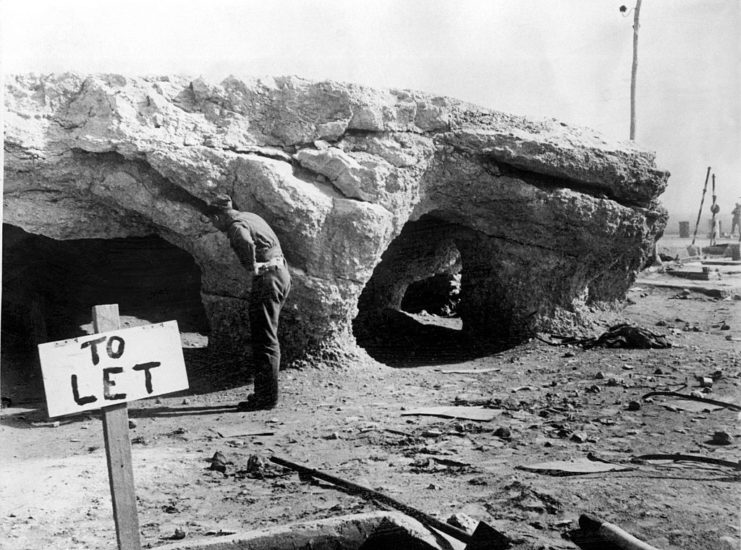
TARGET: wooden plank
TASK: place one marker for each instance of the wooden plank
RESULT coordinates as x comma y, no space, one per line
480,414
118,451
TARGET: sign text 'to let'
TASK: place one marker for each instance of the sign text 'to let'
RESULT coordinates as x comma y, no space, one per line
103,369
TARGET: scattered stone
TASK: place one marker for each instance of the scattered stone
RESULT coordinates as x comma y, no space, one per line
594,388
600,376
569,354
255,464
463,521
132,424
721,438
333,435
725,326
729,543
579,437
503,433
478,481
658,371
634,406
218,463
179,534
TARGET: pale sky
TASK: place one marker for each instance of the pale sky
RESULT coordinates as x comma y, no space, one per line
564,59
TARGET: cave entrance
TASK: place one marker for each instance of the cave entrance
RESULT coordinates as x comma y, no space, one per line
50,287
408,312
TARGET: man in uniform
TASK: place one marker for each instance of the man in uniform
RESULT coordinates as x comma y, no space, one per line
259,252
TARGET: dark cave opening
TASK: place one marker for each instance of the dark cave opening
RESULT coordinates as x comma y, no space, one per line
50,287
437,295
408,310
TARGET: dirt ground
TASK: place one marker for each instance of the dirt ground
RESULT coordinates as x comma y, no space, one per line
556,402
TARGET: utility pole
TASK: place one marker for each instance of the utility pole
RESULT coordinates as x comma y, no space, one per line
634,71
634,68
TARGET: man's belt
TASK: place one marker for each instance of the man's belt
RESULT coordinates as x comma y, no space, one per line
274,263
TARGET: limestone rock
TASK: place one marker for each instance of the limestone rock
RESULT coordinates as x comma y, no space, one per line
368,190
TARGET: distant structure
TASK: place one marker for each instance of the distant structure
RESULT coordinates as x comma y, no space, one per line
736,220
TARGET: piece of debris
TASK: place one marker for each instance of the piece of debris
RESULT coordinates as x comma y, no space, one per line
689,458
463,521
628,336
721,438
579,466
470,371
218,462
579,437
503,432
480,414
705,382
255,464
484,536
243,429
609,533
709,402
54,424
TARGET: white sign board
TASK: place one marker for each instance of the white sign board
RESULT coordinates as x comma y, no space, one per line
104,369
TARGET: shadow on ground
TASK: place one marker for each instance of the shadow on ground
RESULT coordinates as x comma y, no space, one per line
400,340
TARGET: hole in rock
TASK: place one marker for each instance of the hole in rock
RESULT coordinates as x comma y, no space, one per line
408,310
50,287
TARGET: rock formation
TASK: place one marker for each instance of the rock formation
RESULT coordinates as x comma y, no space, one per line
368,190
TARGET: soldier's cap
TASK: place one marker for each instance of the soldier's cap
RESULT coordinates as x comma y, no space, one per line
220,203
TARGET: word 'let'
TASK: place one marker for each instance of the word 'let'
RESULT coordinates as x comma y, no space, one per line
114,348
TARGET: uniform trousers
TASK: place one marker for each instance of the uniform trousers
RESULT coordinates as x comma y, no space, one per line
269,292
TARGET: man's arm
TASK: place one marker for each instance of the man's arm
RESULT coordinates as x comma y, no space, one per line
243,245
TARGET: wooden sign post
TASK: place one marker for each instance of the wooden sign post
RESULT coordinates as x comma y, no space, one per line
118,450
104,371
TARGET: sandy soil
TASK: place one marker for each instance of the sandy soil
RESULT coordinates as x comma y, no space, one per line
558,403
